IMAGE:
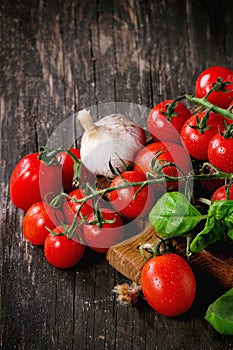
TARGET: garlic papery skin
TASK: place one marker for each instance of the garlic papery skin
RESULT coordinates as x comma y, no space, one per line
113,138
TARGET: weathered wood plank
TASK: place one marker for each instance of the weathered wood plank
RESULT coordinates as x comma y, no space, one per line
59,57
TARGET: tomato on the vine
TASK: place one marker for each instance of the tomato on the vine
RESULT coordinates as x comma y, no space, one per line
67,164
32,180
61,251
168,284
197,132
37,219
71,206
155,155
131,201
220,152
101,232
166,127
208,77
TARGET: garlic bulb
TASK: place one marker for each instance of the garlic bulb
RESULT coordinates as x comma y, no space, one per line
113,138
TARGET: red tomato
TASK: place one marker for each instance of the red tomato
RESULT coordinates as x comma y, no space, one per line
70,207
39,216
32,180
221,194
205,83
123,199
197,141
168,284
163,153
161,127
62,252
67,164
220,153
101,238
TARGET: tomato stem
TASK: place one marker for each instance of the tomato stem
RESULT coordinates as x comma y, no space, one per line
164,178
77,168
209,106
188,241
162,247
203,101
48,156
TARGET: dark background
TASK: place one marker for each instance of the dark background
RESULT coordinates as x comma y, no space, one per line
57,57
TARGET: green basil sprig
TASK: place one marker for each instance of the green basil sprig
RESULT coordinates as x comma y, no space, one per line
173,216
218,224
220,313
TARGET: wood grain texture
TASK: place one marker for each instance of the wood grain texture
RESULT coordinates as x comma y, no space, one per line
57,57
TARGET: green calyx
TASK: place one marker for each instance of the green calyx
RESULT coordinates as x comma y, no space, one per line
219,85
228,132
201,123
170,110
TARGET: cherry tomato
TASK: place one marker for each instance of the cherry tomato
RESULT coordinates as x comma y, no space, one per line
168,284
220,153
67,164
31,181
100,238
196,141
163,128
161,153
123,199
70,206
62,252
208,77
39,216
221,193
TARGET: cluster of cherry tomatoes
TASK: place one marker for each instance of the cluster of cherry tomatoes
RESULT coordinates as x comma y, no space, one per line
201,133
66,230
177,138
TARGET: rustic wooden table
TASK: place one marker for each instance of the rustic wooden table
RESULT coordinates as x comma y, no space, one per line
57,57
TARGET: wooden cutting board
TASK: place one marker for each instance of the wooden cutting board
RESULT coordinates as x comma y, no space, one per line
125,257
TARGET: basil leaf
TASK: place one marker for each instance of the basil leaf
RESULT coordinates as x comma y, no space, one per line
228,221
173,215
220,313
221,209
219,221
211,233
